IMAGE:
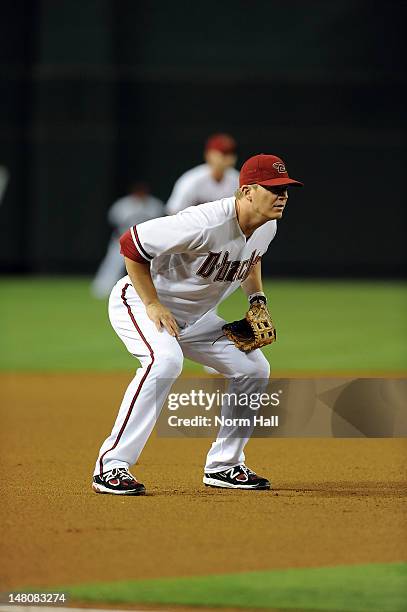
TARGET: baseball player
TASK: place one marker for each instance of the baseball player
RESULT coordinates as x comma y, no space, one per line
179,269
215,179
4,178
134,208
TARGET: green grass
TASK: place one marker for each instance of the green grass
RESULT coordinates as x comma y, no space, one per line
55,324
359,588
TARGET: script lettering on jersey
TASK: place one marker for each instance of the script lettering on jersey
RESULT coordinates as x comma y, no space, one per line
226,270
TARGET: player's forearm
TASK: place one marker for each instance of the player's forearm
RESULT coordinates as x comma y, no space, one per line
253,283
141,280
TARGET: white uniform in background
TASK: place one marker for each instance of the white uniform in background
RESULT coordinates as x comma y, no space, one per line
198,186
127,211
198,257
4,176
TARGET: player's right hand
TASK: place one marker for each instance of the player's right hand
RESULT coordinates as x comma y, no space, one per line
163,318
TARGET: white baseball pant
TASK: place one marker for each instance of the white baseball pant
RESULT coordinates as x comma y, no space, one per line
161,357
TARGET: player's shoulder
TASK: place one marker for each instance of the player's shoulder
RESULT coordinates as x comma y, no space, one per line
125,198
195,174
122,202
210,214
153,201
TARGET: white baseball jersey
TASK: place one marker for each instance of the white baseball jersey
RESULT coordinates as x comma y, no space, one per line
129,210
132,209
198,256
198,186
4,176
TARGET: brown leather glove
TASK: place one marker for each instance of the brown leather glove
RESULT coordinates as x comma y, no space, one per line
254,331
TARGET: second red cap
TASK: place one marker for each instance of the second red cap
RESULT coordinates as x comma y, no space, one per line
221,142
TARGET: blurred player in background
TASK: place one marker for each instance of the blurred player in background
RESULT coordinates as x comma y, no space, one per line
4,176
137,207
215,179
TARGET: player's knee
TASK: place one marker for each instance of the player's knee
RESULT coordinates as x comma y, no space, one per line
263,368
257,368
169,362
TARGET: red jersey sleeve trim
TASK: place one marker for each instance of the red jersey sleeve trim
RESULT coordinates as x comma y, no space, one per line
128,248
138,244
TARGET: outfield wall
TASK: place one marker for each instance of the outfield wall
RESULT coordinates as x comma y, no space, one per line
121,91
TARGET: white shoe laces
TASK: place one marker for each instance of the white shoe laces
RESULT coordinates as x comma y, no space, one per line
121,473
234,471
247,470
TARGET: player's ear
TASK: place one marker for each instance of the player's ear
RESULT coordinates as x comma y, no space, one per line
246,191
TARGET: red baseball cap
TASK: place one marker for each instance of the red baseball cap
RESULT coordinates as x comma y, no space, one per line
265,170
221,142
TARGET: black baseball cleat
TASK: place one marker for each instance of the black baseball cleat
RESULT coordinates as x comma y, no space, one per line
237,477
117,481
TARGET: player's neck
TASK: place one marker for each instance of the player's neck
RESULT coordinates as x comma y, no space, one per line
248,221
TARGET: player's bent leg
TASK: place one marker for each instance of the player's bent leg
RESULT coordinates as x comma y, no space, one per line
161,360
139,410
251,377
225,462
247,373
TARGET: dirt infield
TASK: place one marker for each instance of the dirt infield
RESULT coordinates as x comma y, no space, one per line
334,501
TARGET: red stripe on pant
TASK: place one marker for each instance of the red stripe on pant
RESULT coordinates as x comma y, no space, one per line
126,420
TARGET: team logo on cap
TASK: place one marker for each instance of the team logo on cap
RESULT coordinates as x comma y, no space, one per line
279,166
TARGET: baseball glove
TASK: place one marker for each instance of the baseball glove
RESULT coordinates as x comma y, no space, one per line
254,331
